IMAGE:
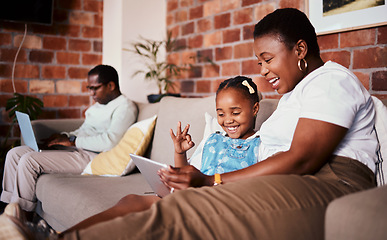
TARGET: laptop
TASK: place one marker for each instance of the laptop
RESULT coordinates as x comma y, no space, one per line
29,137
148,169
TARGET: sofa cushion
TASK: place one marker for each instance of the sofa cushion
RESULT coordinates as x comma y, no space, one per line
117,162
68,199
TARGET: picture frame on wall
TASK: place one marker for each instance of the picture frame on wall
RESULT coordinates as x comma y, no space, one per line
331,16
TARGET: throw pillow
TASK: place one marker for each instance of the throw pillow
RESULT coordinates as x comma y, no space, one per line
117,162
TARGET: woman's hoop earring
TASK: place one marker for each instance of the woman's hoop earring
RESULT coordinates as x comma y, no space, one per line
299,64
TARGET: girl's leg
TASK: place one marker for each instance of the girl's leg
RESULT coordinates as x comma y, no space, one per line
128,204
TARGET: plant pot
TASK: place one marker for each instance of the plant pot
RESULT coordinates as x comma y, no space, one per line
154,98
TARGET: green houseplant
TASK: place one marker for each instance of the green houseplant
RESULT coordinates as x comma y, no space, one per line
156,68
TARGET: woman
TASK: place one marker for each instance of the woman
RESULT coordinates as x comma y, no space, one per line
317,146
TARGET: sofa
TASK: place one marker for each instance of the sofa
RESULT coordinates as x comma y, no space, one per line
65,199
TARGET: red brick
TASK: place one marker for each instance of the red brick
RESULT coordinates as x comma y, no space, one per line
370,58
93,6
5,70
195,41
341,57
172,5
67,58
8,55
181,16
41,56
243,50
328,41
204,25
20,85
188,57
187,28
42,86
55,101
382,35
232,35
97,46
212,39
380,96
248,32
263,9
242,16
78,73
186,3
5,39
222,21
54,43
210,71
81,18
174,58
291,4
69,113
60,15
79,45
68,86
72,5
215,84
379,81
250,67
170,19
230,5
203,86
357,38
211,8
69,30
250,2
175,31
30,41
223,53
195,72
187,86
205,55
196,12
26,71
231,68
92,32
364,78
4,98
91,59
38,29
53,72
98,20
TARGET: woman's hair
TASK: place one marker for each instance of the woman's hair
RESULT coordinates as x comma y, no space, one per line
243,84
105,74
290,25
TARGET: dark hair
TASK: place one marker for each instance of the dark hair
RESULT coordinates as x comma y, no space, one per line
105,74
236,83
290,25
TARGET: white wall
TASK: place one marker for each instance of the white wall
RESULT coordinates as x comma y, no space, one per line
124,21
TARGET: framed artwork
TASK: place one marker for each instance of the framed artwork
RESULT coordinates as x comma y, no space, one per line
330,16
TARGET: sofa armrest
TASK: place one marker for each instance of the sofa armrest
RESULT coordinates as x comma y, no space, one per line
361,215
45,128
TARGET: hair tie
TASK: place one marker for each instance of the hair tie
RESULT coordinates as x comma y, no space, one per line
246,83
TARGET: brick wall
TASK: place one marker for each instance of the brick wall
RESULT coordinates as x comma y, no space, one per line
54,60
222,30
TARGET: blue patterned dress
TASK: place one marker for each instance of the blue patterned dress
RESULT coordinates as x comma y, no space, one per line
223,154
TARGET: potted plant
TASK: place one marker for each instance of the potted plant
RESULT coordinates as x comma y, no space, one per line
157,69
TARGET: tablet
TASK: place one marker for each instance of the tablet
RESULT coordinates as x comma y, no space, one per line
148,169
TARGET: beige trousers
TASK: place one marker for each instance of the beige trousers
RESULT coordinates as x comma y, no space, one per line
269,207
23,166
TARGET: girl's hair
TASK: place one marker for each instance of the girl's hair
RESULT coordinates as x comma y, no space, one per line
244,84
290,25
105,74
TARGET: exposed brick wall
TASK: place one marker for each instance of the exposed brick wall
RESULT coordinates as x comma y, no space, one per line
223,31
54,60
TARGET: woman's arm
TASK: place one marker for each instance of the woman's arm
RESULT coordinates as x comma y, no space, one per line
313,144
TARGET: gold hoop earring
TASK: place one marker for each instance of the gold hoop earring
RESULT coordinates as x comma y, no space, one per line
299,64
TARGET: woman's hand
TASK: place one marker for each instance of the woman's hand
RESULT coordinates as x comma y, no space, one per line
184,177
58,139
182,140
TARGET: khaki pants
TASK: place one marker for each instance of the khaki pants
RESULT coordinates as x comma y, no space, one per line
23,166
268,207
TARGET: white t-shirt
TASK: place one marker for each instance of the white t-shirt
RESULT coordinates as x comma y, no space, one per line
332,94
